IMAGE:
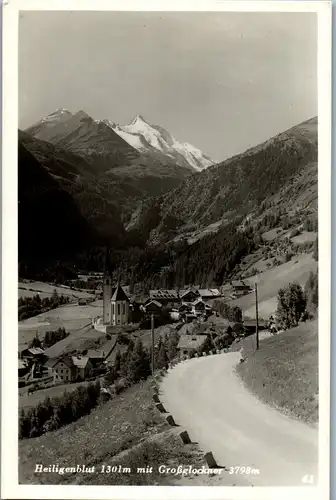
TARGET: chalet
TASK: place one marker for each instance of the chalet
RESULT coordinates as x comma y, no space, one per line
83,302
198,307
83,365
189,296
152,307
189,317
63,368
250,325
240,287
33,354
23,368
188,343
96,357
209,293
164,296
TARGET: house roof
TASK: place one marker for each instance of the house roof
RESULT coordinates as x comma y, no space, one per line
186,292
239,283
253,322
80,361
119,294
198,301
191,341
209,292
35,350
158,304
52,362
163,294
96,354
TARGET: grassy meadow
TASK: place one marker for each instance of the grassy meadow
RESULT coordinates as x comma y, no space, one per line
284,371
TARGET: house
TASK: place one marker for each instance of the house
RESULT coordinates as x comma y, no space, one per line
152,307
83,365
164,296
188,343
63,368
23,368
198,307
83,301
240,287
100,356
96,357
189,295
189,317
33,353
250,325
209,293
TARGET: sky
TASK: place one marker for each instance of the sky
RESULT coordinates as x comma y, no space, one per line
222,81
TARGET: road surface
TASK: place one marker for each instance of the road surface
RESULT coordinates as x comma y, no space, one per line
207,398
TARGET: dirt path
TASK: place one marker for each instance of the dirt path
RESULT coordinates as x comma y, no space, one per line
207,398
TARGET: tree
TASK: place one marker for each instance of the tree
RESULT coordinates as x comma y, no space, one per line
172,344
162,358
35,342
54,297
24,425
311,289
292,303
117,361
315,250
138,367
237,314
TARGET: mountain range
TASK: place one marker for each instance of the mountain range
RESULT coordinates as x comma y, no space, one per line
103,139
135,185
146,137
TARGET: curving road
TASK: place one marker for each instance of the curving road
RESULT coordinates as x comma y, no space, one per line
207,398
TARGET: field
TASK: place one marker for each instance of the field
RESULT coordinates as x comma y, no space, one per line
32,400
146,335
304,237
73,318
127,431
30,288
284,371
269,283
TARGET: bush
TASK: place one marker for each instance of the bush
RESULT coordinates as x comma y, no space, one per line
291,304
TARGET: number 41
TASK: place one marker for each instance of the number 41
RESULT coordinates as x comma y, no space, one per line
308,479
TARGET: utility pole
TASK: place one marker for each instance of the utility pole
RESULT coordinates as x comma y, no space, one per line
257,325
152,325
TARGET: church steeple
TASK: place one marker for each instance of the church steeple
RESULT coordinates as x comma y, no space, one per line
107,288
107,264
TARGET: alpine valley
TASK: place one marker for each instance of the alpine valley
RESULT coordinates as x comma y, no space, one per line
160,205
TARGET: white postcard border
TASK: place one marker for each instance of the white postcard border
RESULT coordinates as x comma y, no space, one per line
9,429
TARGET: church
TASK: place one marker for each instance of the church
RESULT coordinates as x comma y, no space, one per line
115,302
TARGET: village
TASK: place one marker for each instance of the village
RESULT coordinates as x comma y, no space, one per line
192,312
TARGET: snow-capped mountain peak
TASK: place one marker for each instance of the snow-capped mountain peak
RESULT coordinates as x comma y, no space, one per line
144,136
57,115
138,119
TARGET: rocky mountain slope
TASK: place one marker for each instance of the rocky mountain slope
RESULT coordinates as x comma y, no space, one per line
154,139
51,226
282,170
128,175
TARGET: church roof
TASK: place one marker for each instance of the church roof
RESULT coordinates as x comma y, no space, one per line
119,294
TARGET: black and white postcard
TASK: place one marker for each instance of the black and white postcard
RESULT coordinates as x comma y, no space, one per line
166,249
